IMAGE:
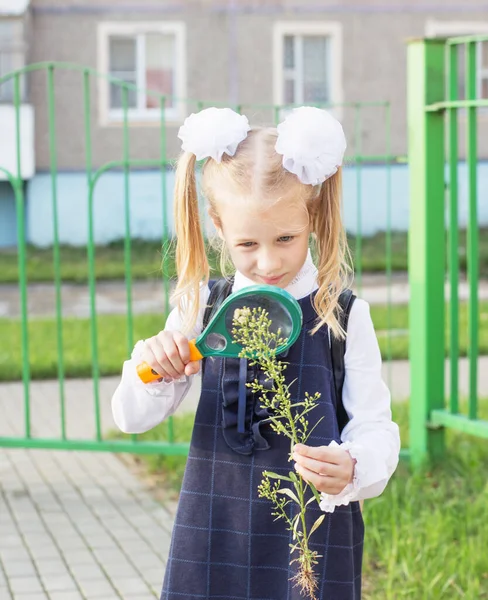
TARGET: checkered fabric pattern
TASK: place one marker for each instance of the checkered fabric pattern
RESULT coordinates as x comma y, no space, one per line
225,542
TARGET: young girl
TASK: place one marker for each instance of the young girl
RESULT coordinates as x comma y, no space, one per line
268,191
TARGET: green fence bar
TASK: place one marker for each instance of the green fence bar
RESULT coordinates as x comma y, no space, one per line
478,103
358,259
442,418
56,252
149,447
19,201
91,253
165,233
452,54
472,242
276,114
166,242
127,236
461,40
388,245
425,79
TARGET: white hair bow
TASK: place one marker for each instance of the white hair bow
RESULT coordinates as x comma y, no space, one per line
213,132
312,143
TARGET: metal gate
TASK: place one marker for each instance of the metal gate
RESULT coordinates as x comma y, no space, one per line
126,164
434,111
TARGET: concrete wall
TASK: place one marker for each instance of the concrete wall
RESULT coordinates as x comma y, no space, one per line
229,59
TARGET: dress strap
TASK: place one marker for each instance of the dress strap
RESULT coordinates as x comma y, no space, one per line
338,350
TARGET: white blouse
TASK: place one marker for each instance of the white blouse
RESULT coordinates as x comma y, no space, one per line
370,436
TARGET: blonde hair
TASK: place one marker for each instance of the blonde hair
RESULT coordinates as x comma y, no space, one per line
256,173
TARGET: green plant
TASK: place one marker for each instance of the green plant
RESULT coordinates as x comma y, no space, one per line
252,329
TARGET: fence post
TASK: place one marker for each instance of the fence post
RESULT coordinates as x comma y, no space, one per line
426,256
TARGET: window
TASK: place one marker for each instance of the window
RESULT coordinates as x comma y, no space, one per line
11,57
455,29
308,63
149,57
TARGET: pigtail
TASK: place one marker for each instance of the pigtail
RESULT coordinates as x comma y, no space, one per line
334,270
191,260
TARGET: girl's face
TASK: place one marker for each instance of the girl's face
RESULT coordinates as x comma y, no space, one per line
266,246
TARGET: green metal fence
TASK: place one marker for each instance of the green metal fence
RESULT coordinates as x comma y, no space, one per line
260,114
434,110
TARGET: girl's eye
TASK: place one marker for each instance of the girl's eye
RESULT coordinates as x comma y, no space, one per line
286,238
247,244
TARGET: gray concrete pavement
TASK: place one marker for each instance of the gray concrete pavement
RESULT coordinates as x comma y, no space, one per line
74,525
147,296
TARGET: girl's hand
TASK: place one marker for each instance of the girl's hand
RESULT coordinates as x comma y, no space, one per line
329,469
168,353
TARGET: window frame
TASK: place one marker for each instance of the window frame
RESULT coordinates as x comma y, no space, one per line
330,29
151,116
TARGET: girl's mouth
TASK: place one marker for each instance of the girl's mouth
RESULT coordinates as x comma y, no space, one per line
272,280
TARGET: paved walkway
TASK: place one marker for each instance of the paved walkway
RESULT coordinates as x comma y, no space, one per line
147,296
74,525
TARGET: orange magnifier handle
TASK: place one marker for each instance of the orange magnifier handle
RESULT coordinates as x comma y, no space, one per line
147,374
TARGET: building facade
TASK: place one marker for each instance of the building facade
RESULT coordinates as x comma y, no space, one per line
255,55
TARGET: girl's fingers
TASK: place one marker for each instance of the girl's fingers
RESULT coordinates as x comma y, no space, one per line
149,357
192,368
173,359
328,485
317,466
183,347
159,360
325,453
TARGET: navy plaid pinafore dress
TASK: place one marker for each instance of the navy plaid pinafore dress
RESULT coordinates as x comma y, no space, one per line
225,543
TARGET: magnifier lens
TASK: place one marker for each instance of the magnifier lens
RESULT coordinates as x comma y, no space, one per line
216,341
278,314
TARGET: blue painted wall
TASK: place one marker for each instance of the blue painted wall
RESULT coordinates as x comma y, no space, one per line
146,219
8,222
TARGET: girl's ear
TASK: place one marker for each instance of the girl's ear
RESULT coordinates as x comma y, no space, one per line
312,214
216,223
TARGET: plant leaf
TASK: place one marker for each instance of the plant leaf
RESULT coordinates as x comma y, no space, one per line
295,525
315,492
290,494
293,477
317,524
272,475
309,433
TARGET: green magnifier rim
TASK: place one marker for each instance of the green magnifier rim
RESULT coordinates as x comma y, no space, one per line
217,324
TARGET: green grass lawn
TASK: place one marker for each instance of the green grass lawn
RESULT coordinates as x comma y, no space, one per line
113,347
146,262
146,259
425,536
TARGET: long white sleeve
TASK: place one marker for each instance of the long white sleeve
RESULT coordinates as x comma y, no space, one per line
138,406
370,436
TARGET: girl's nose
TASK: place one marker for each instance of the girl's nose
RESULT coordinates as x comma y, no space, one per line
269,264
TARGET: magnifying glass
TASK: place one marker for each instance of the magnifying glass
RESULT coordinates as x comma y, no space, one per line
216,339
